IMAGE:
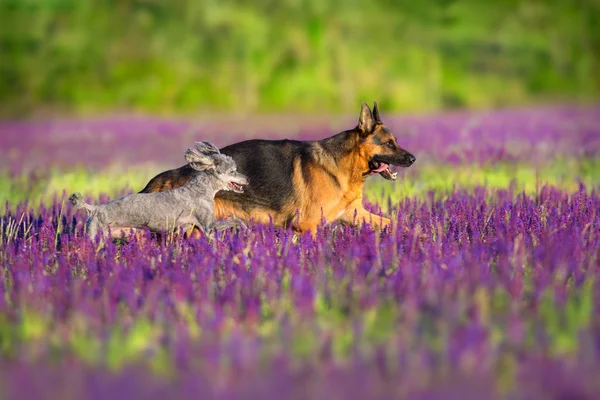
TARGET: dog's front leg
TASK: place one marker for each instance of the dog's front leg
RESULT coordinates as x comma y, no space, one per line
356,214
224,224
311,226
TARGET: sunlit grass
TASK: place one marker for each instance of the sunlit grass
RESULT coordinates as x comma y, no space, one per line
564,174
117,180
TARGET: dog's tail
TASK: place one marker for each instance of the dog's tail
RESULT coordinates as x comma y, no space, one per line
77,201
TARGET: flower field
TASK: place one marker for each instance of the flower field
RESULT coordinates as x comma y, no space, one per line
487,286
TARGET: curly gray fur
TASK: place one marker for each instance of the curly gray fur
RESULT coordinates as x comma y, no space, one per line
188,206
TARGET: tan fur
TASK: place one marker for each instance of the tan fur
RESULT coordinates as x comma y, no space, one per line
321,197
317,195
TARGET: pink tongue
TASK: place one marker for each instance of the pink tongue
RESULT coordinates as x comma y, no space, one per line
382,167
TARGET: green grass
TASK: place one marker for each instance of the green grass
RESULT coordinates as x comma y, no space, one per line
314,55
114,181
417,181
564,174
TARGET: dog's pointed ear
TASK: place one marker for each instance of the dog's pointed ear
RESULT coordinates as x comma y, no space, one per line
199,161
207,148
366,122
376,113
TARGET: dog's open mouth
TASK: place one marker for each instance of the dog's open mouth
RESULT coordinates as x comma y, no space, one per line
236,187
382,169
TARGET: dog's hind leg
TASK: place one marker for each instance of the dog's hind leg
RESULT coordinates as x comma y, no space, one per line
194,233
226,209
196,230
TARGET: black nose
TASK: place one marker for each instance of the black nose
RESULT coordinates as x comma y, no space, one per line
411,158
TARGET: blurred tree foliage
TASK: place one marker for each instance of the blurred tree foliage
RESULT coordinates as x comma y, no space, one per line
294,55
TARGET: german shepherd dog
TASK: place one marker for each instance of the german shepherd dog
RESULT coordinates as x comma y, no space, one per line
297,183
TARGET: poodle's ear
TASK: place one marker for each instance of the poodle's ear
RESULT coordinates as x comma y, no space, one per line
207,148
199,161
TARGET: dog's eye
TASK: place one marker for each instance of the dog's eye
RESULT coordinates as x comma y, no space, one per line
390,144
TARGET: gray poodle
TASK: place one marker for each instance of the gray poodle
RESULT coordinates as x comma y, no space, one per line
187,206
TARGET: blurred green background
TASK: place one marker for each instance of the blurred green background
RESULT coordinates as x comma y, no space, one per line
298,56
